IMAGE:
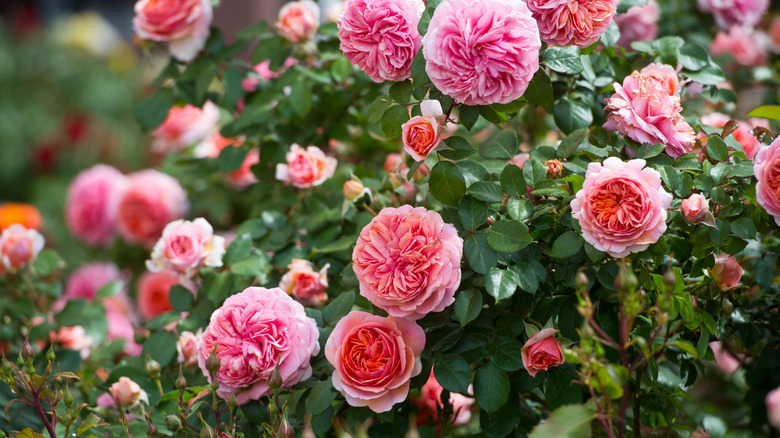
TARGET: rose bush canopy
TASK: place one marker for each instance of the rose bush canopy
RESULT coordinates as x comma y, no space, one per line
385,218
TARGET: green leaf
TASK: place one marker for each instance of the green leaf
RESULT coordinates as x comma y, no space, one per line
503,146
300,97
232,79
572,114
512,181
526,276
533,172
401,91
487,191
508,236
647,150
446,183
47,262
452,372
480,255
567,245
570,144
693,57
624,5
472,212
420,80
459,148
231,158
321,397
561,389
766,112
501,283
341,244
491,387
341,70
161,346
744,228
519,209
505,353
110,289
425,19
709,75
377,109
181,298
468,115
394,118
511,107
540,91
154,109
564,60
717,149
266,49
572,421
338,308
254,266
468,305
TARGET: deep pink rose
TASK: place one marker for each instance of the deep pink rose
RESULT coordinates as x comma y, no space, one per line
431,405
726,273
541,352
643,110
298,20
730,12
18,247
766,168
664,74
380,36
374,357
185,126
772,401
572,22
306,167
151,201
621,206
308,286
153,293
420,135
187,347
126,393
186,246
750,144
407,261
183,24
92,202
254,331
695,208
638,23
743,44
723,359
481,52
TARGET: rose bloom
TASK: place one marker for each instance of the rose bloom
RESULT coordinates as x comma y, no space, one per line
730,12
664,74
750,144
299,20
481,52
638,23
186,246
723,359
772,401
120,328
306,285
726,273
126,393
187,347
743,44
152,201
25,215
374,357
407,261
766,168
572,22
541,352
430,404
643,110
243,176
306,167
185,126
695,208
420,134
381,37
74,338
153,293
18,247
621,206
92,204
183,24
253,332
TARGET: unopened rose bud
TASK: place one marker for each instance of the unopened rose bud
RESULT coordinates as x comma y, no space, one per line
285,429
626,281
152,368
67,397
27,351
212,362
151,429
180,382
695,208
395,180
126,392
581,280
670,279
421,173
726,273
275,382
207,432
554,169
173,423
353,189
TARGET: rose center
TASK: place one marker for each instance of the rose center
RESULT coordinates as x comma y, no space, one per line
617,204
367,351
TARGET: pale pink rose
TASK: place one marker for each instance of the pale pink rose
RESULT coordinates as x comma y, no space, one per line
298,20
723,359
726,273
572,22
151,201
621,206
74,338
185,126
105,400
750,144
186,246
374,357
430,404
126,393
638,23
772,401
305,284
664,74
730,12
120,328
333,11
380,36
263,72
743,44
254,332
695,208
766,168
183,24
420,135
481,52
92,202
187,347
19,246
306,167
643,110
541,352
407,261
153,293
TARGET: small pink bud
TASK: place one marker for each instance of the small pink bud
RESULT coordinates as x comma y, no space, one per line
353,189
695,208
726,273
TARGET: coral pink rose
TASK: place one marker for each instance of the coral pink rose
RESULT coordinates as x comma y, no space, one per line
766,168
750,144
541,352
74,338
243,176
664,74
152,201
153,293
187,347
254,332
643,110
186,246
481,52
306,167
298,20
92,203
306,285
420,134
621,206
743,44
726,273
18,247
381,37
431,405
407,261
572,22
183,24
729,12
126,393
638,23
723,359
695,208
185,126
772,401
374,357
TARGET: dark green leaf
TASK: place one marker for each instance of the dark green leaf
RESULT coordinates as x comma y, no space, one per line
505,353
161,346
377,109
561,389
572,114
47,262
338,308
512,181
744,228
526,276
501,283
181,298
503,146
300,97
480,255
564,60
111,289
472,212
231,158
647,150
693,57
401,91
452,372
468,115
508,236
570,144
321,397
447,183
519,209
394,118
154,109
459,148
491,387
486,191
468,305
533,172
566,245
572,421
717,149
540,91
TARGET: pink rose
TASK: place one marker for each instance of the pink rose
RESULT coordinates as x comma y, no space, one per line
664,74
638,23
87,280
772,401
726,273
18,247
183,24
186,246
74,338
420,134
481,52
263,72
126,393
407,261
730,12
298,20
187,347
374,357
621,206
380,36
766,168
306,167
695,208
743,44
750,144
393,162
541,352
774,34
153,290
519,159
572,22
253,332
185,126
306,285
431,405
723,359
92,203
152,201
120,328
643,110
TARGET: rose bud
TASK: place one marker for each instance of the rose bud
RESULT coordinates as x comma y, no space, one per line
126,393
726,273
541,352
353,189
554,169
420,134
421,172
695,208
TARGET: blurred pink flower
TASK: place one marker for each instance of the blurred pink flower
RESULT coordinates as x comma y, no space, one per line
263,72
572,22
730,12
92,203
743,44
153,293
723,359
305,167
126,393
750,144
185,126
18,247
430,404
305,284
74,338
151,201
772,401
183,24
766,168
298,20
187,347
638,23
186,246
726,273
